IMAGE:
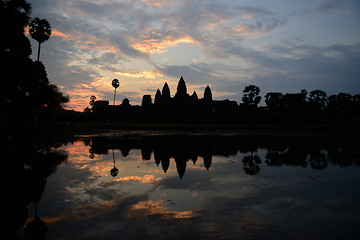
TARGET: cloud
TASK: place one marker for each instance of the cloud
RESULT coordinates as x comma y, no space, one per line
330,7
156,2
150,179
201,73
62,36
160,45
288,67
250,12
144,74
325,8
226,82
91,25
80,98
234,44
243,29
260,27
106,58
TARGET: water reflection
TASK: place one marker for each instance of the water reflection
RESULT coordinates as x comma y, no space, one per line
303,151
114,171
25,167
184,186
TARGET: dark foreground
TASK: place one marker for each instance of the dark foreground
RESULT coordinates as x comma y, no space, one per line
193,183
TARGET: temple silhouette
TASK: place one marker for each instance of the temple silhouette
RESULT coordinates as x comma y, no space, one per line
301,107
183,107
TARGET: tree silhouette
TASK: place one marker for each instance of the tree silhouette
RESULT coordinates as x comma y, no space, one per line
251,164
26,90
15,16
274,101
318,99
92,100
40,30
115,83
126,103
251,95
296,106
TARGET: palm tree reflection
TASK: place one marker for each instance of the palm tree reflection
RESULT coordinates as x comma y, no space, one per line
114,171
36,229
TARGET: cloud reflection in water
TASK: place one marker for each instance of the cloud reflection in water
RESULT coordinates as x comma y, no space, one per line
83,201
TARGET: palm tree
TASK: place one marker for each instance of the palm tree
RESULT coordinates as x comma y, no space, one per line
40,30
115,83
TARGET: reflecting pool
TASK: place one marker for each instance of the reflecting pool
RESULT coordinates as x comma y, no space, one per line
196,186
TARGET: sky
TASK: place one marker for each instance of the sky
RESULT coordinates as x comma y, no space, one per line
278,45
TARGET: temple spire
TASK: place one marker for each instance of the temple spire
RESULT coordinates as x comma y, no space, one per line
166,91
208,94
181,88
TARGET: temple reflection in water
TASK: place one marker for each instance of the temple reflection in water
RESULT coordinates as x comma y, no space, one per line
65,190
303,151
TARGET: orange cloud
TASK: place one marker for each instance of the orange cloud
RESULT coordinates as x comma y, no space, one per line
155,207
144,74
155,83
248,15
154,2
242,30
85,41
46,219
80,97
52,219
144,179
78,151
64,36
160,44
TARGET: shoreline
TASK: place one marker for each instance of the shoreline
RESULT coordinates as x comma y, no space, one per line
65,130
83,128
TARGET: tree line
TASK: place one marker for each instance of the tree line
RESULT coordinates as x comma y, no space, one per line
315,106
302,106
26,92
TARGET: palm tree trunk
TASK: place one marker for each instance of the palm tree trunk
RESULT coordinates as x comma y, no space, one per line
114,97
38,57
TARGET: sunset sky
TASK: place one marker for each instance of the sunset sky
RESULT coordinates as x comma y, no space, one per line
278,45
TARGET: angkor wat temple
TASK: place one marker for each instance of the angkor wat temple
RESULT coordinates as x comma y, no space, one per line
180,108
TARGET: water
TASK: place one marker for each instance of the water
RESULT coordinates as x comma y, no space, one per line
197,186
